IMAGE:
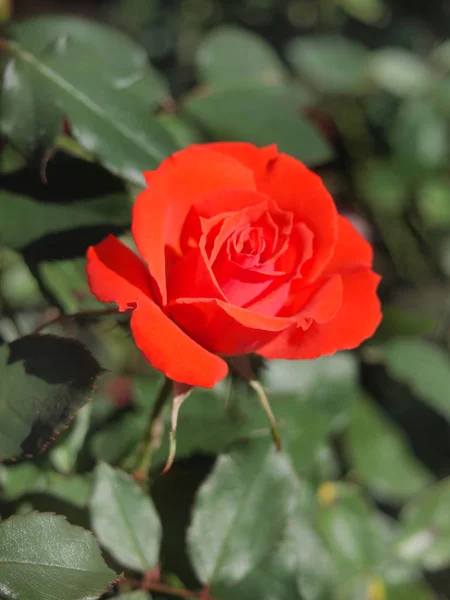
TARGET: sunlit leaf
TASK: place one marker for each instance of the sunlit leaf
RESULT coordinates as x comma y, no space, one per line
125,520
43,557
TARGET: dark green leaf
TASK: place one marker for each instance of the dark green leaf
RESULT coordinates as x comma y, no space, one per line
383,187
380,456
425,521
332,64
26,478
64,456
43,557
419,136
26,119
125,520
67,282
230,55
117,56
424,367
43,381
400,72
228,536
433,202
117,127
263,116
11,160
25,220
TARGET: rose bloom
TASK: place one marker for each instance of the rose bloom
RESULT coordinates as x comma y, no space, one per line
241,251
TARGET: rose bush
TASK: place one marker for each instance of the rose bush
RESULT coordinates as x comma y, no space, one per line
242,250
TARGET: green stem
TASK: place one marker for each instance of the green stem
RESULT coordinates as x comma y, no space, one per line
153,436
80,315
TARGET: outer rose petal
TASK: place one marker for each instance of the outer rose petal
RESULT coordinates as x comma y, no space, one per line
293,187
116,274
351,251
180,181
171,350
224,328
356,320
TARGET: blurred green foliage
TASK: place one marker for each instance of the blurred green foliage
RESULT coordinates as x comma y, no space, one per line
356,507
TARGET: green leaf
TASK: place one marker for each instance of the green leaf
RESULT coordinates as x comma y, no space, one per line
230,55
116,440
379,453
441,55
424,367
64,456
117,127
433,202
367,11
349,530
18,480
43,557
332,64
138,595
311,399
274,578
184,133
26,119
419,136
125,520
400,72
263,116
116,55
411,591
43,381
25,220
383,187
425,523
228,536
11,160
67,282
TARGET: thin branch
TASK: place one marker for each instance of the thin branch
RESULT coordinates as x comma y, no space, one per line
80,315
153,586
154,433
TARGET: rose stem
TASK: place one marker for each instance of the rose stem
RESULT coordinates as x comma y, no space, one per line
242,366
153,436
181,392
255,384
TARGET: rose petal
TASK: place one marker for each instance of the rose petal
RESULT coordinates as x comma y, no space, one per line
116,274
351,251
180,181
294,188
192,276
251,156
171,350
356,320
224,328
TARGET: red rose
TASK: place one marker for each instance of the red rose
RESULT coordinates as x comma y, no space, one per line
242,251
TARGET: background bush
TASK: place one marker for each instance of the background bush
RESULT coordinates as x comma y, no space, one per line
357,506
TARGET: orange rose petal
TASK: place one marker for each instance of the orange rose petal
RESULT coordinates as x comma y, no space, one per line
351,251
224,328
116,274
171,350
356,320
180,181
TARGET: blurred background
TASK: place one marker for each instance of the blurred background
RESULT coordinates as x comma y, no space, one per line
360,91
